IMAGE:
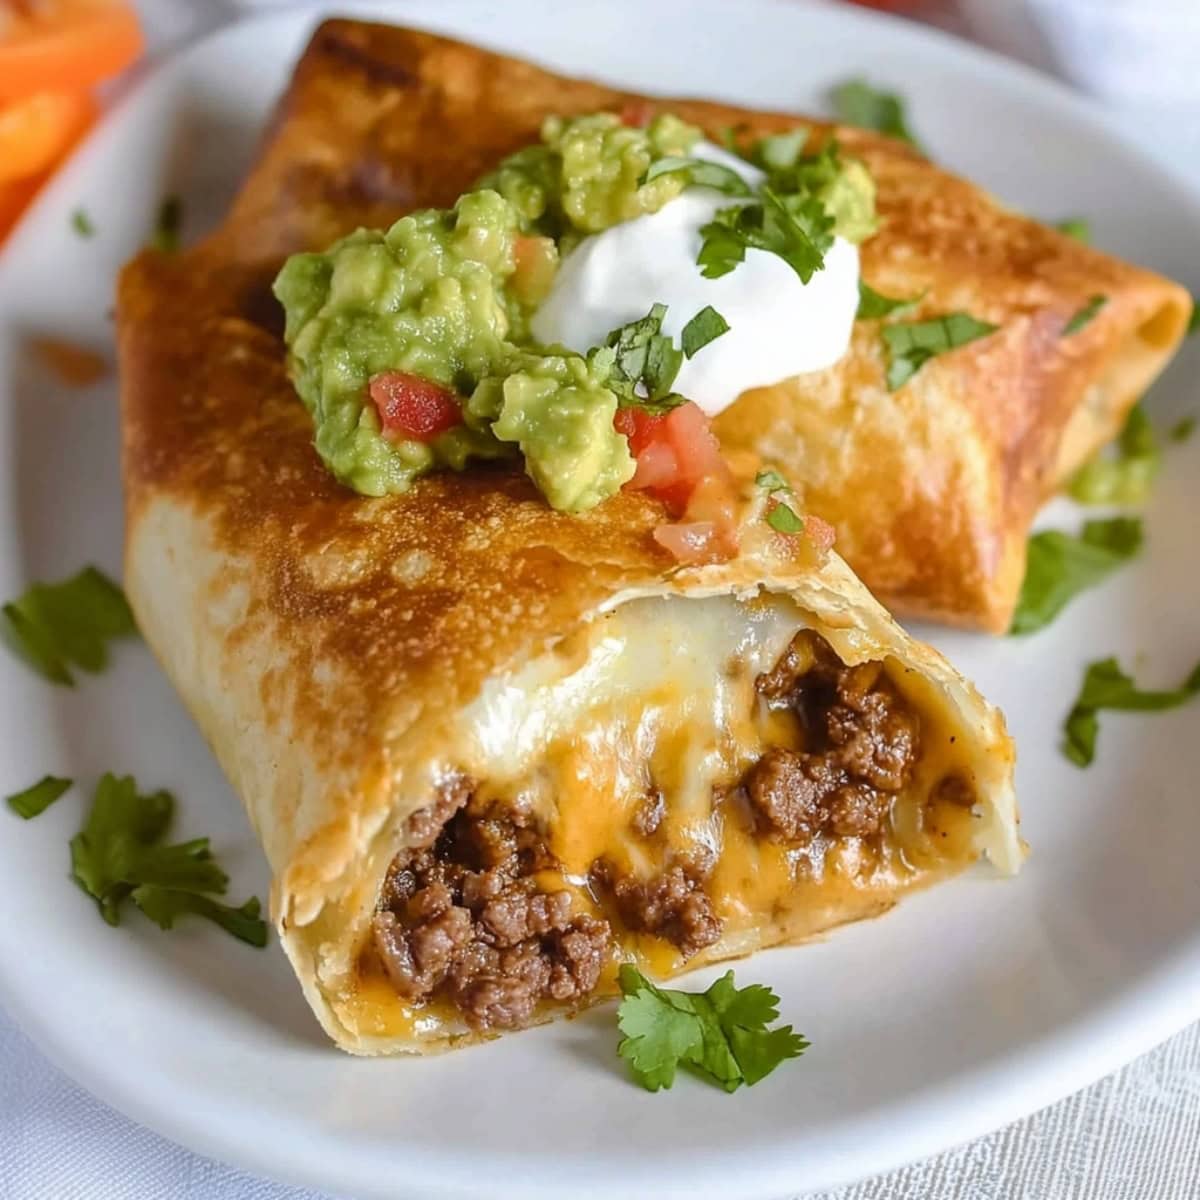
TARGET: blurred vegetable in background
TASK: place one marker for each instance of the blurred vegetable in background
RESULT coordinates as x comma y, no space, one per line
53,53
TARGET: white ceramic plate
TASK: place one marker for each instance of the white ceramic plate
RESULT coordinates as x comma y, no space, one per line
967,1007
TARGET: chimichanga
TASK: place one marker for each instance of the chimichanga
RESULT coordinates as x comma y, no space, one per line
492,750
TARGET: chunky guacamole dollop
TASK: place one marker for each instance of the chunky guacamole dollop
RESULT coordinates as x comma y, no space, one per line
433,314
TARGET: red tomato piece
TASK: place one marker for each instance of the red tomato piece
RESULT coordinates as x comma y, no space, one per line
636,113
412,407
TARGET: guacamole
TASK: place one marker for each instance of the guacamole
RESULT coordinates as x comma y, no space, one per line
438,308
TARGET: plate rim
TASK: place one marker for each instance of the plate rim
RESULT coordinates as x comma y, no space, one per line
1093,1045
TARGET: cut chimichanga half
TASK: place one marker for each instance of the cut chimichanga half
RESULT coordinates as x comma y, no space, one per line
931,486
492,750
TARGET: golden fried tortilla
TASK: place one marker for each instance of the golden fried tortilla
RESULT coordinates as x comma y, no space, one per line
931,488
492,750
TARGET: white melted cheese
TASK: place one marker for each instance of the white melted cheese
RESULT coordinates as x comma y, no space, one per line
778,326
692,660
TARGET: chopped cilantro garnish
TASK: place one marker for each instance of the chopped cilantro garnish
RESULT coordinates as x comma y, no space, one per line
1124,476
1182,429
1106,686
82,223
771,480
34,801
872,304
644,363
857,103
168,225
164,905
912,344
783,519
720,1034
119,854
706,326
796,227
1085,315
1060,566
55,626
699,172
1077,228
1194,320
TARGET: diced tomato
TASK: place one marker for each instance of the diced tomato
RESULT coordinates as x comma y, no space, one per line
679,462
696,446
37,131
412,407
636,113
639,426
64,45
674,452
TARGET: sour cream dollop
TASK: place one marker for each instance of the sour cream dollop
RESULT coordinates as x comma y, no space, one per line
778,326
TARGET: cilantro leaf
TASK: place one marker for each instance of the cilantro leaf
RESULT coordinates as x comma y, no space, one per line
698,172
1077,228
82,223
1106,686
706,326
771,480
795,226
54,626
1194,320
872,304
1125,475
783,519
1085,315
645,362
719,1034
912,344
119,855
1060,566
857,103
1182,429
167,226
164,905
34,801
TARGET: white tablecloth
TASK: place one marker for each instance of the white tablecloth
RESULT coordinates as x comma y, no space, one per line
1133,1136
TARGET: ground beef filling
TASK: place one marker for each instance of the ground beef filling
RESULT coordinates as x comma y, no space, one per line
672,905
461,918
861,741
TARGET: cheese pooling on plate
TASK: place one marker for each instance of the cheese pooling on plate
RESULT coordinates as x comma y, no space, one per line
586,307
779,326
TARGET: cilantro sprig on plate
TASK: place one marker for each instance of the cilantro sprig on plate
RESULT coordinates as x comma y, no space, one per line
120,854
856,102
34,800
1060,566
57,626
721,1034
1107,686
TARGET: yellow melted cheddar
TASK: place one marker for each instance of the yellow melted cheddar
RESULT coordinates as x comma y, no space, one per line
658,695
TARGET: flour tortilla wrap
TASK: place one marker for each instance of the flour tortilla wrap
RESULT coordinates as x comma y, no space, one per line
380,677
932,488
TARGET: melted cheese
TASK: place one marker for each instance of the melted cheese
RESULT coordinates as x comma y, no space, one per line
658,695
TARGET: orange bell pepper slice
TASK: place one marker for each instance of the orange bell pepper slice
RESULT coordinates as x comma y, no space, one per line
36,132
64,45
